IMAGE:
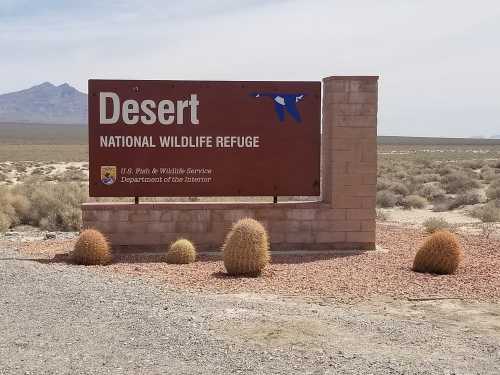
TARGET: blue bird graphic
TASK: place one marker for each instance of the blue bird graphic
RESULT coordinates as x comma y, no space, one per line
282,103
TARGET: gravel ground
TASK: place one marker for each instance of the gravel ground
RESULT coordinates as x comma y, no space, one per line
345,279
60,318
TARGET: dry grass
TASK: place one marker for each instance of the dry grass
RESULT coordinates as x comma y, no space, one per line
52,206
433,224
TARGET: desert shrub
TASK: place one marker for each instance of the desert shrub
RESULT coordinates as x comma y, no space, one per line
446,169
431,191
441,253
399,188
434,224
426,163
442,205
401,174
487,213
466,199
6,208
487,173
386,199
20,167
495,164
14,206
4,222
382,215
413,201
458,182
246,248
493,191
38,171
53,206
181,251
383,184
71,174
91,248
425,178
473,164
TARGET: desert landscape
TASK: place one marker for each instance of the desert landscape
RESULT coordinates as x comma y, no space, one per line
249,187
306,309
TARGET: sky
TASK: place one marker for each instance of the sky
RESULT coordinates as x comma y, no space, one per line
438,60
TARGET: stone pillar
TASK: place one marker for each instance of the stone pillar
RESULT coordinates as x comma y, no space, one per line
349,147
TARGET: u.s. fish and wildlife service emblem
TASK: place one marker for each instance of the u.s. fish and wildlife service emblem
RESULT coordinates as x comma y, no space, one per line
108,174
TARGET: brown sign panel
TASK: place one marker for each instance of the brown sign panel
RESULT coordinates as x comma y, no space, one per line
201,138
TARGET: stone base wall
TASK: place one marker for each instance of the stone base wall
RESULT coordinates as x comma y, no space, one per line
343,219
291,226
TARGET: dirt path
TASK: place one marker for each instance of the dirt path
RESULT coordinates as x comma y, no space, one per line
57,318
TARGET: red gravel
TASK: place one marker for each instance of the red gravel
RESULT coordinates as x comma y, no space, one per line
346,278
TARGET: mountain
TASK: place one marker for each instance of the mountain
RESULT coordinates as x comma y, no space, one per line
45,103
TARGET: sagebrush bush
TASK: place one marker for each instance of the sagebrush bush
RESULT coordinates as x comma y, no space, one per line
459,182
464,199
4,222
181,251
441,253
434,224
488,213
474,163
386,199
467,199
442,204
383,184
399,188
413,201
487,173
71,174
425,178
91,248
246,248
53,206
431,191
446,169
493,191
12,206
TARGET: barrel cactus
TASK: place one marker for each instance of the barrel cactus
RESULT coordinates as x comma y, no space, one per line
441,253
246,249
181,251
91,248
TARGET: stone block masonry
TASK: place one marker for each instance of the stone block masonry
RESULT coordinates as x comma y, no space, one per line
342,219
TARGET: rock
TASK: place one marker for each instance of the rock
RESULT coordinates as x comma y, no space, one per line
50,236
